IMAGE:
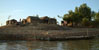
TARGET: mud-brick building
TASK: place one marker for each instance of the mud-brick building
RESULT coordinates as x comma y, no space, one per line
63,23
11,22
33,19
48,20
44,19
52,21
24,21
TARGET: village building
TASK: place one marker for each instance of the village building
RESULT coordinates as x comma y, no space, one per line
33,19
11,22
52,21
48,20
44,19
63,23
24,21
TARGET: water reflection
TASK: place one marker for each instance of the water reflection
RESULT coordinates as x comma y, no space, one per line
51,45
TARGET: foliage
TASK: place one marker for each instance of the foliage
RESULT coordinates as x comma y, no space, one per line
67,18
97,16
85,22
82,14
85,11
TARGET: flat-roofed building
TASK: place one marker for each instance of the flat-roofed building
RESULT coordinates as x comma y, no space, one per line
33,19
48,20
24,21
11,22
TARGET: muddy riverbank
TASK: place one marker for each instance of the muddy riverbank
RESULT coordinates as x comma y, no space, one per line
29,33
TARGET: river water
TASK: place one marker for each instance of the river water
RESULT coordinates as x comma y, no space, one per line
92,44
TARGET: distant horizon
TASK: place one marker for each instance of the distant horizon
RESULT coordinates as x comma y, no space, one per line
22,8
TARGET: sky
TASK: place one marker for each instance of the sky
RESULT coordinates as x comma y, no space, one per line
20,9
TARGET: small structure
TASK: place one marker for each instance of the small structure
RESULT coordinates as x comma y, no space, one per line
11,22
33,19
52,21
63,23
44,19
48,20
24,21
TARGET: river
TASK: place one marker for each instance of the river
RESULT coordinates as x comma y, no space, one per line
92,44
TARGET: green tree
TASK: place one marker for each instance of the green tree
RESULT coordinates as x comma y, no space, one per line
97,16
97,19
37,15
67,18
93,14
76,10
82,14
85,22
78,16
85,11
72,17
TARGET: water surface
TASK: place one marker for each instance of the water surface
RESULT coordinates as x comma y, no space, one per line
51,45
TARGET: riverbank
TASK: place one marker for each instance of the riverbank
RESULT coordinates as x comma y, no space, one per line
30,33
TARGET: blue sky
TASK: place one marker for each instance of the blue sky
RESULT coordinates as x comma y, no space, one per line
22,8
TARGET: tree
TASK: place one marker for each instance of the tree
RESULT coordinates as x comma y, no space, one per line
72,17
85,11
37,15
82,14
97,19
93,14
59,16
76,10
67,18
85,22
97,16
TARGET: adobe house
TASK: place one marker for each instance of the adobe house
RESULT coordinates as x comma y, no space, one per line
48,20
24,21
33,19
44,19
63,23
11,22
52,21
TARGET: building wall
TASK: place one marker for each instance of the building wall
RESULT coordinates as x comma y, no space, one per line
24,21
48,20
33,20
11,22
28,20
52,21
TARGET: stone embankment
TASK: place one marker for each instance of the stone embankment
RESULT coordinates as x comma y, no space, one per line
44,33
